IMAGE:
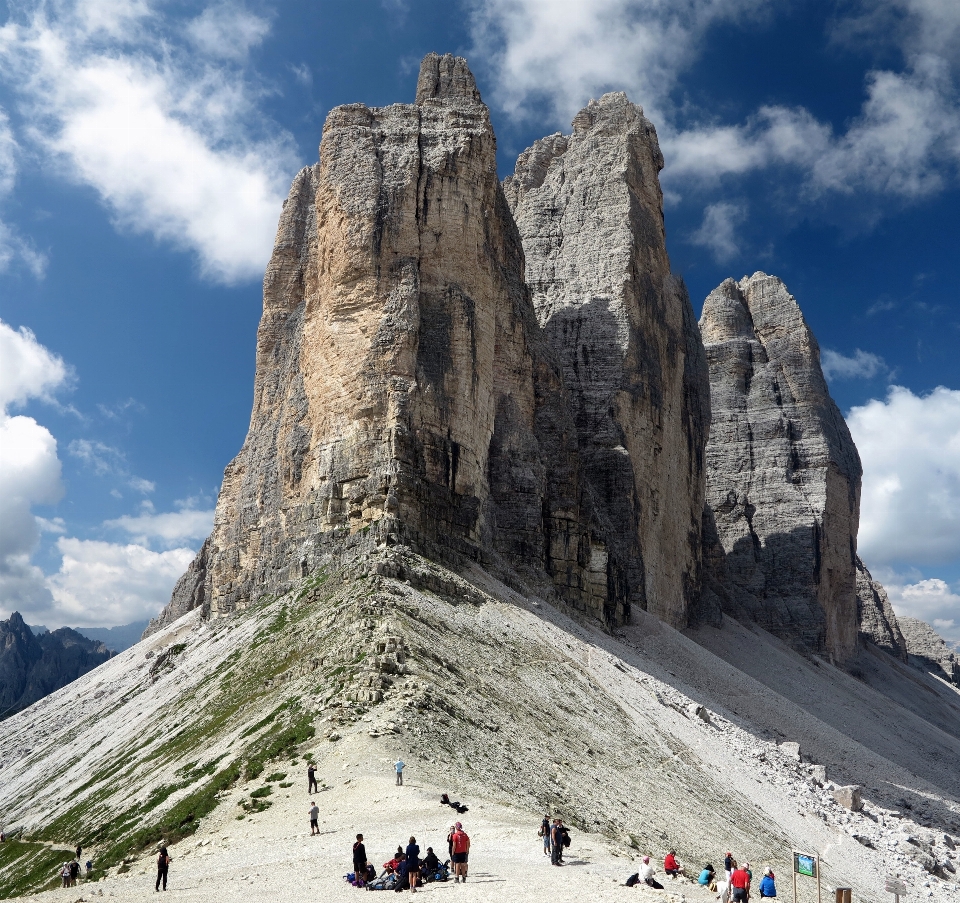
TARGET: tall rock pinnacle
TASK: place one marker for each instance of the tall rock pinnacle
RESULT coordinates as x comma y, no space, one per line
404,391
590,213
783,474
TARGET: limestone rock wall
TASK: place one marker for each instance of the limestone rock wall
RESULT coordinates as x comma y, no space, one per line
877,620
783,474
404,391
927,650
590,213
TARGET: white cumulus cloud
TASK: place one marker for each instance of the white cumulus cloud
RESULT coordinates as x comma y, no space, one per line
104,583
29,465
910,502
931,600
168,131
186,524
859,365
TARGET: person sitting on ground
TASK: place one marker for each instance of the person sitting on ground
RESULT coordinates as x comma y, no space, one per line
670,864
767,886
403,877
706,876
740,884
646,875
430,861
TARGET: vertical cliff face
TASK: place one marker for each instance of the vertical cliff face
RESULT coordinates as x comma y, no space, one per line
783,474
404,391
590,213
877,620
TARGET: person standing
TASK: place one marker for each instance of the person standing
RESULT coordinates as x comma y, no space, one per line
413,863
461,853
79,851
740,884
729,864
399,766
545,834
556,843
163,866
314,813
312,778
767,886
359,860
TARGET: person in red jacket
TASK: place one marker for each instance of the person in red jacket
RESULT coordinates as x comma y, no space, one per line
740,882
670,864
460,845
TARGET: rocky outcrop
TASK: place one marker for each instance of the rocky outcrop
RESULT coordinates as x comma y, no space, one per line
590,213
32,667
783,474
928,651
877,620
404,390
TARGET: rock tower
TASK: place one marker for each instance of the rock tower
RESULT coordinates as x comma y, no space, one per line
590,213
783,474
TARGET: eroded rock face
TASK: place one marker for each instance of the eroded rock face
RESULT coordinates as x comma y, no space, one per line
878,622
590,214
927,650
783,474
404,391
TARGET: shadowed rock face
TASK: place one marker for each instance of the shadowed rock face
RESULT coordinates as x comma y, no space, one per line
590,214
783,474
404,391
33,666
878,623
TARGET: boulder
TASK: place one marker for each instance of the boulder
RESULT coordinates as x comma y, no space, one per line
849,797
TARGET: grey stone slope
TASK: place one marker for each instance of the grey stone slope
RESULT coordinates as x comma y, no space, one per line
928,651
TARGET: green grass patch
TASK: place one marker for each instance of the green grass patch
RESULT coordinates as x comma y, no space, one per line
27,868
276,776
261,792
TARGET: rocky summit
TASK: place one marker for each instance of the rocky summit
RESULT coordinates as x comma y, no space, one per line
506,511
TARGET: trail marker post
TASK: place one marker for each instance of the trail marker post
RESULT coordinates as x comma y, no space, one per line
807,864
896,887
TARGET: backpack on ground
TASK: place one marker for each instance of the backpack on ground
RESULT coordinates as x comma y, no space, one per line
633,879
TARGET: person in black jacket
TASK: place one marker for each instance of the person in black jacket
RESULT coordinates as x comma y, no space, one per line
163,864
359,860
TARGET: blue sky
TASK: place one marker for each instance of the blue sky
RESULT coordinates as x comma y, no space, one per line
146,147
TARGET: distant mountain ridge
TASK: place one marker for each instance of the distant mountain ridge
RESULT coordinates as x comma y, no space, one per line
115,638
32,666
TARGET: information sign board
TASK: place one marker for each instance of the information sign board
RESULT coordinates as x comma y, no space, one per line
804,864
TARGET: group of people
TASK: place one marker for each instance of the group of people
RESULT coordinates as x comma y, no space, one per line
734,888
70,871
407,865
556,838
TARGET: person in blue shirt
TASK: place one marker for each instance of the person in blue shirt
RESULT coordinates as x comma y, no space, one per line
767,887
706,876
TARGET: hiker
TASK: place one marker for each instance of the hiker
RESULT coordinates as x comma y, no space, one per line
312,778
399,766
461,853
314,813
556,843
729,864
450,833
359,860
706,878
767,886
163,864
430,861
740,884
79,851
65,874
545,834
89,868
723,892
670,864
413,863
74,872
403,876
646,875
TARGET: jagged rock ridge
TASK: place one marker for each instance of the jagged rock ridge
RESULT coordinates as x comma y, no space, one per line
783,474
32,667
590,213
928,651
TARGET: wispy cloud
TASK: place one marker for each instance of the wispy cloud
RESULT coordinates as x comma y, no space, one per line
718,231
859,365
13,246
166,128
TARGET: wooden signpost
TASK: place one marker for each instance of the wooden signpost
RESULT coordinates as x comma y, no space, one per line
807,864
896,887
